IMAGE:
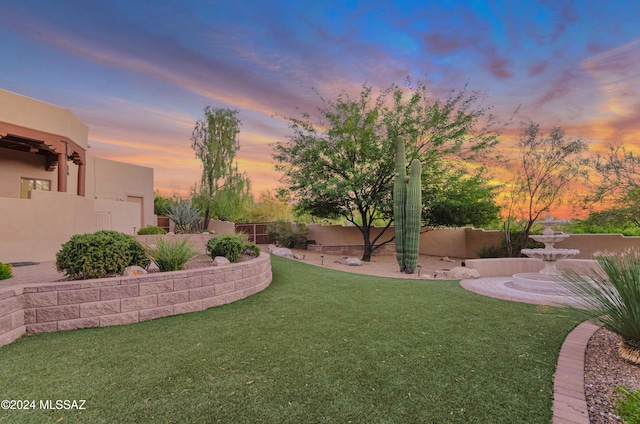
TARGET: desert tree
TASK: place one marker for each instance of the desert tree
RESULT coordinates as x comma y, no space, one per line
222,189
615,188
340,163
547,166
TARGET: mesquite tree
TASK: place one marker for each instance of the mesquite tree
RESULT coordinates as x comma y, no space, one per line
338,163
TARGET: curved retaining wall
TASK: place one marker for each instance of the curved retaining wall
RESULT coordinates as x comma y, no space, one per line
123,300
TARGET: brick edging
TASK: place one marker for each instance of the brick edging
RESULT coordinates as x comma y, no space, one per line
569,400
69,305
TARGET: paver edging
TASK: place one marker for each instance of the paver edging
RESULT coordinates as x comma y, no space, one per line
50,307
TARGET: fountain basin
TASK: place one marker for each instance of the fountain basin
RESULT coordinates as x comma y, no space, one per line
539,283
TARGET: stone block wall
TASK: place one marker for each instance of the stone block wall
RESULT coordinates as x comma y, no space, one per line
124,300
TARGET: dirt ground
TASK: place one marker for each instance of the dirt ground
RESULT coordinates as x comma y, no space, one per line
383,266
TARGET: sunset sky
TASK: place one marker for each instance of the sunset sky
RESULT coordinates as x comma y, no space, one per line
140,72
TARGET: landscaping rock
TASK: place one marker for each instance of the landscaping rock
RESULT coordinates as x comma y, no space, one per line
298,256
462,273
134,270
282,251
353,262
220,260
447,259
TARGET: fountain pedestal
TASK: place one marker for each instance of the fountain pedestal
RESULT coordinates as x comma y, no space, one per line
545,281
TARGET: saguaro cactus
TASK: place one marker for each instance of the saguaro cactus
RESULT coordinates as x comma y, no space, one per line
407,210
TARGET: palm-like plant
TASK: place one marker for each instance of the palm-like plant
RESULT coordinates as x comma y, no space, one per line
611,295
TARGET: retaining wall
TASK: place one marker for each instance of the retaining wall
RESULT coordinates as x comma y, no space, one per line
39,308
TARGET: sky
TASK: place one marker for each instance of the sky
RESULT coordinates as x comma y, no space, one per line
140,72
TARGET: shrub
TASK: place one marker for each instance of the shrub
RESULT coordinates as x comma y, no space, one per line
629,408
490,252
151,230
171,255
288,234
5,271
611,295
185,216
99,255
231,246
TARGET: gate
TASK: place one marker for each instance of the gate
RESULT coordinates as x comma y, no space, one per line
256,233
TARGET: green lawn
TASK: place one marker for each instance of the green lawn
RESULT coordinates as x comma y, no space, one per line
317,346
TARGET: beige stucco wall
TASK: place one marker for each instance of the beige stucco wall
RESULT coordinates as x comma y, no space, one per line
118,182
30,113
34,229
15,165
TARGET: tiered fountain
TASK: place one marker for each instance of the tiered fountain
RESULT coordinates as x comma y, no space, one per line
545,281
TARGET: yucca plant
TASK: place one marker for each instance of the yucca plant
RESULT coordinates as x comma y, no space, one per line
171,255
611,296
185,216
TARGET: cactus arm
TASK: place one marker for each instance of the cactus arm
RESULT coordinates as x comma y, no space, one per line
399,197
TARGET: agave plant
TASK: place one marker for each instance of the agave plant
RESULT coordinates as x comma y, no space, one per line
611,296
185,216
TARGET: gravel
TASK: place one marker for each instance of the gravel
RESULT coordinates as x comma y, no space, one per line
604,371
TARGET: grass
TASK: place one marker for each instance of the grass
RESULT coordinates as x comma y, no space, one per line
317,346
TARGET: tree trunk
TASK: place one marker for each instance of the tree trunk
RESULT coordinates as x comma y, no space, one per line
368,248
205,224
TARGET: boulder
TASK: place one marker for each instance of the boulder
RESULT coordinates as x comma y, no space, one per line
220,260
353,262
282,251
134,270
462,273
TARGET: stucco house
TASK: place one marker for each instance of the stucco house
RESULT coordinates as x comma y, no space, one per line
50,189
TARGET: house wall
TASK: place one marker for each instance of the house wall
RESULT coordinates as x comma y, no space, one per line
35,114
118,182
15,165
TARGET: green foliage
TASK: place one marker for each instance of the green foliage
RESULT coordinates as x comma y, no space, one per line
460,200
223,192
231,246
490,252
628,408
5,271
611,295
610,221
151,230
171,255
99,255
162,204
338,164
287,233
270,207
185,216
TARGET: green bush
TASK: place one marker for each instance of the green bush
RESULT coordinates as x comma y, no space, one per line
151,230
628,409
5,271
99,255
171,255
231,246
490,252
288,234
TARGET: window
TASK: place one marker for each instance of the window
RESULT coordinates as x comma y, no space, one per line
27,184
